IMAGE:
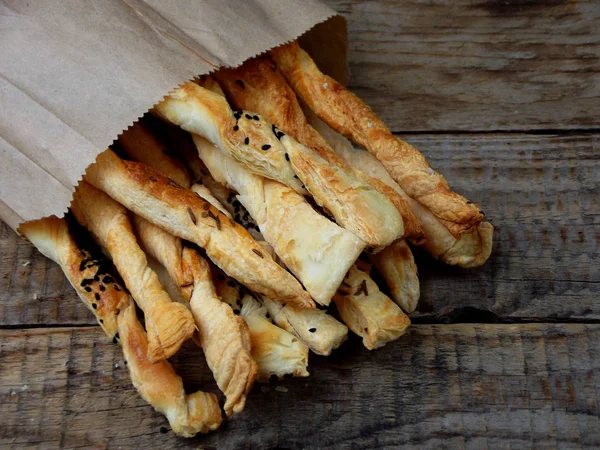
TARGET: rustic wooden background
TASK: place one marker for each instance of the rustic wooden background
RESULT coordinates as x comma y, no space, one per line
504,97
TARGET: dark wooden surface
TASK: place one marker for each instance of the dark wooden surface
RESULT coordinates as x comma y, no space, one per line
504,98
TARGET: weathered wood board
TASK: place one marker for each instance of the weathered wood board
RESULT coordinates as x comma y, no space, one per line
464,386
540,192
476,64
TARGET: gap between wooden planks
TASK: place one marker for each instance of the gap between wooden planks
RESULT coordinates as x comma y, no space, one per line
474,386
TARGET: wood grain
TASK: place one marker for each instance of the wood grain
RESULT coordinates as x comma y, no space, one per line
463,386
540,192
476,64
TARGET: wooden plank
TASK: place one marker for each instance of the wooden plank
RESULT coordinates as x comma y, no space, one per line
540,192
476,64
465,386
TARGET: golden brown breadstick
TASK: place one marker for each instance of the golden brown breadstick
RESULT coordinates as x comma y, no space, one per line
157,382
258,86
168,324
224,337
367,311
276,351
151,195
315,249
471,250
159,385
347,114
268,152
397,266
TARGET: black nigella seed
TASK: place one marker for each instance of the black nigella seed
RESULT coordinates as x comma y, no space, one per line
312,330
101,320
108,279
250,225
163,430
96,278
256,117
469,202
230,283
88,289
94,305
236,128
236,203
87,281
102,288
116,338
240,83
237,217
97,296
247,141
268,316
296,176
287,157
266,147
236,311
248,116
280,134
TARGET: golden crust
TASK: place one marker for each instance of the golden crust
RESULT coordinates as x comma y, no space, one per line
317,329
224,337
347,114
159,385
472,249
276,351
95,286
156,382
397,266
169,324
258,86
151,195
315,249
200,111
368,312
268,152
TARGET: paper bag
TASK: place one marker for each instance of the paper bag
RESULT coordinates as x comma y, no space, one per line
76,73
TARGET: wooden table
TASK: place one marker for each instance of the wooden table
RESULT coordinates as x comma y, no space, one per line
504,98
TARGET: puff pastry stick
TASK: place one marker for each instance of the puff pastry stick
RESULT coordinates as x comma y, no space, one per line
472,249
397,266
276,351
347,114
268,152
168,324
258,86
367,311
151,195
317,329
224,337
157,383
315,249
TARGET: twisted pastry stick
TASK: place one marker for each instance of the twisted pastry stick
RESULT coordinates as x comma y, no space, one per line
258,86
347,114
472,249
276,351
268,152
157,383
168,324
151,195
367,311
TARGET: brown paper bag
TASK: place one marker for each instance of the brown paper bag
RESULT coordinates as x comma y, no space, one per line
76,73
